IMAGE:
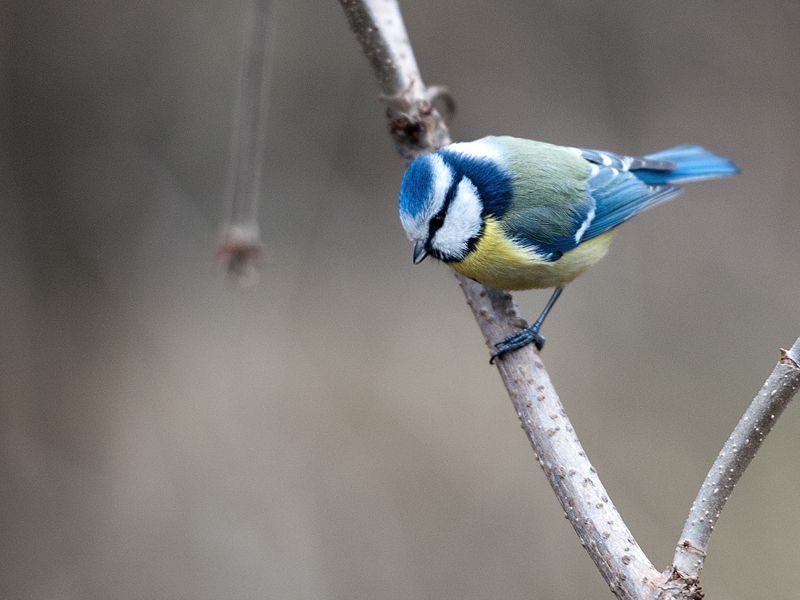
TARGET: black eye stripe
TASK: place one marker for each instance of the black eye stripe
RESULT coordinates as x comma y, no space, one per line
437,220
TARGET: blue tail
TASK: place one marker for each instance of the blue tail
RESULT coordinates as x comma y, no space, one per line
692,163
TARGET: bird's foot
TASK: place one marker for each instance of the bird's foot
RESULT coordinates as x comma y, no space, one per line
518,340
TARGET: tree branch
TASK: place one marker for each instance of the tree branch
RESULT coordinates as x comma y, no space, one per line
417,128
585,501
734,458
379,28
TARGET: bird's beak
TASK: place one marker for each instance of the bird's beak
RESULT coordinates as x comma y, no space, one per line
419,252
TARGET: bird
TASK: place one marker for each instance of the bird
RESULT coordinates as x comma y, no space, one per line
517,214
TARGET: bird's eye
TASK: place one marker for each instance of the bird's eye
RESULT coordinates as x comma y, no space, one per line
437,222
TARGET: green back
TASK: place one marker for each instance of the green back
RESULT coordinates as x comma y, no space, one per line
549,189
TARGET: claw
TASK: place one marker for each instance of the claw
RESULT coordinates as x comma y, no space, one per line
518,340
527,335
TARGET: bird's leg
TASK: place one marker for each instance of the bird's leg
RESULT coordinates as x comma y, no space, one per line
527,335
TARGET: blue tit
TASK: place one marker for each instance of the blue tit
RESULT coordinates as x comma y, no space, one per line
516,214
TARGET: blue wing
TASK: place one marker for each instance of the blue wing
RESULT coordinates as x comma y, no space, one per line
625,185
619,195
617,188
610,196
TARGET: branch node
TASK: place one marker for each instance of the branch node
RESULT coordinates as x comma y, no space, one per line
788,361
242,252
680,586
444,100
687,546
414,124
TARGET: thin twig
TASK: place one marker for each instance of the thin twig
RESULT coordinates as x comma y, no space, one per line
241,247
734,458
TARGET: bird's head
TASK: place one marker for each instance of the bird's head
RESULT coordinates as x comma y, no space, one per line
441,203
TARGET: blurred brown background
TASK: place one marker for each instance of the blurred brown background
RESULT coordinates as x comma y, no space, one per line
338,431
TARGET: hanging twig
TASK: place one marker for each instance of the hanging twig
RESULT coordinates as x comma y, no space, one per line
241,247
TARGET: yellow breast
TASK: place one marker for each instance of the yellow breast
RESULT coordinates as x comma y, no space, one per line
499,262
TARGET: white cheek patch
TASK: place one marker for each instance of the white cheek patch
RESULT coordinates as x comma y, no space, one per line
475,149
416,225
461,223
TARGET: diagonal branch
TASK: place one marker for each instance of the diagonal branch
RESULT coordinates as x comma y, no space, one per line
734,458
585,501
379,28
